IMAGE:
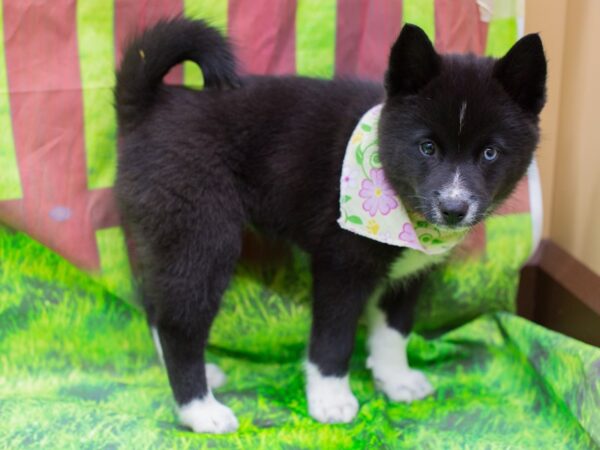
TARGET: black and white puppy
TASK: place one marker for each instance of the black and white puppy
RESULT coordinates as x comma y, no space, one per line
456,133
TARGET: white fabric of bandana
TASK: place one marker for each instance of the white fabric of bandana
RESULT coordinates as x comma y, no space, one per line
369,206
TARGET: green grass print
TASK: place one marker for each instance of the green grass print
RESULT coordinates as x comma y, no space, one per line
464,288
78,368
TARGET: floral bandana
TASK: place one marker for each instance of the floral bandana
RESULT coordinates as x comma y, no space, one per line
369,206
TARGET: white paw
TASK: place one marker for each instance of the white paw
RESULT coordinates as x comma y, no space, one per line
215,377
405,385
208,416
329,409
330,399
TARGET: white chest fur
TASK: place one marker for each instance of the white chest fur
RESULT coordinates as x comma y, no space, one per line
411,263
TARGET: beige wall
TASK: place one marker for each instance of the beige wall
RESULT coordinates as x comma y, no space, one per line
570,149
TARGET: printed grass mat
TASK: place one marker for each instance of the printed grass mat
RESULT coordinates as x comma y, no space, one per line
78,369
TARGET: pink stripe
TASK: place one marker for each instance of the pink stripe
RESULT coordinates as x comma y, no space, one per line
366,31
518,202
132,17
458,28
102,208
43,73
264,35
474,243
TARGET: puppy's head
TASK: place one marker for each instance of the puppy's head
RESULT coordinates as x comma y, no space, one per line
457,132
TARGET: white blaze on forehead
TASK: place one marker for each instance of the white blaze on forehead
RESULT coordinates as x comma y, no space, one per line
461,115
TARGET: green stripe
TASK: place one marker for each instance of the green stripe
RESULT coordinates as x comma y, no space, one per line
114,262
10,183
420,13
502,34
215,13
315,38
95,30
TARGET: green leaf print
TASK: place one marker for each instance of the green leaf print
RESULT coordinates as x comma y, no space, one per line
425,238
359,155
354,219
346,199
366,127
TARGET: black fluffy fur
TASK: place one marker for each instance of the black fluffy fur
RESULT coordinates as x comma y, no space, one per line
196,167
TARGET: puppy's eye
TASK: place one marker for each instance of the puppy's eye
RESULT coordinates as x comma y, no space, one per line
490,154
427,148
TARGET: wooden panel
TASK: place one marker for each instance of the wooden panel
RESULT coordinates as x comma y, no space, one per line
560,293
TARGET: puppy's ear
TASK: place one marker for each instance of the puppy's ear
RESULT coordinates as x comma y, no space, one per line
413,62
522,73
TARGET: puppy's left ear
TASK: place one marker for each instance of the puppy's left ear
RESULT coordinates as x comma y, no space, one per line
413,62
522,73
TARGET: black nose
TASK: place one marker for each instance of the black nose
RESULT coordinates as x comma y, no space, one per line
453,211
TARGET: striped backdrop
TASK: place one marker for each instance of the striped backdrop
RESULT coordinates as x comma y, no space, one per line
57,62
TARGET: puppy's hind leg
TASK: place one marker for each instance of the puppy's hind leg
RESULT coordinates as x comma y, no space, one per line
214,375
186,282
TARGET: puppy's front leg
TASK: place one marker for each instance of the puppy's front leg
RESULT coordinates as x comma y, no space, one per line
390,322
340,294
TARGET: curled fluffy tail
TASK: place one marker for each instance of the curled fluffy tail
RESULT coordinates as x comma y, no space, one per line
149,57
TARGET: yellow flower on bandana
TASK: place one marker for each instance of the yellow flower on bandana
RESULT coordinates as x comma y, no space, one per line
356,138
373,226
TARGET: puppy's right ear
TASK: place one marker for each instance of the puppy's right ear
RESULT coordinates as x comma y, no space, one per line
413,62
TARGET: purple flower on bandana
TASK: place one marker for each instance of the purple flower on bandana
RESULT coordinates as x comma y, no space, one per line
378,194
408,234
